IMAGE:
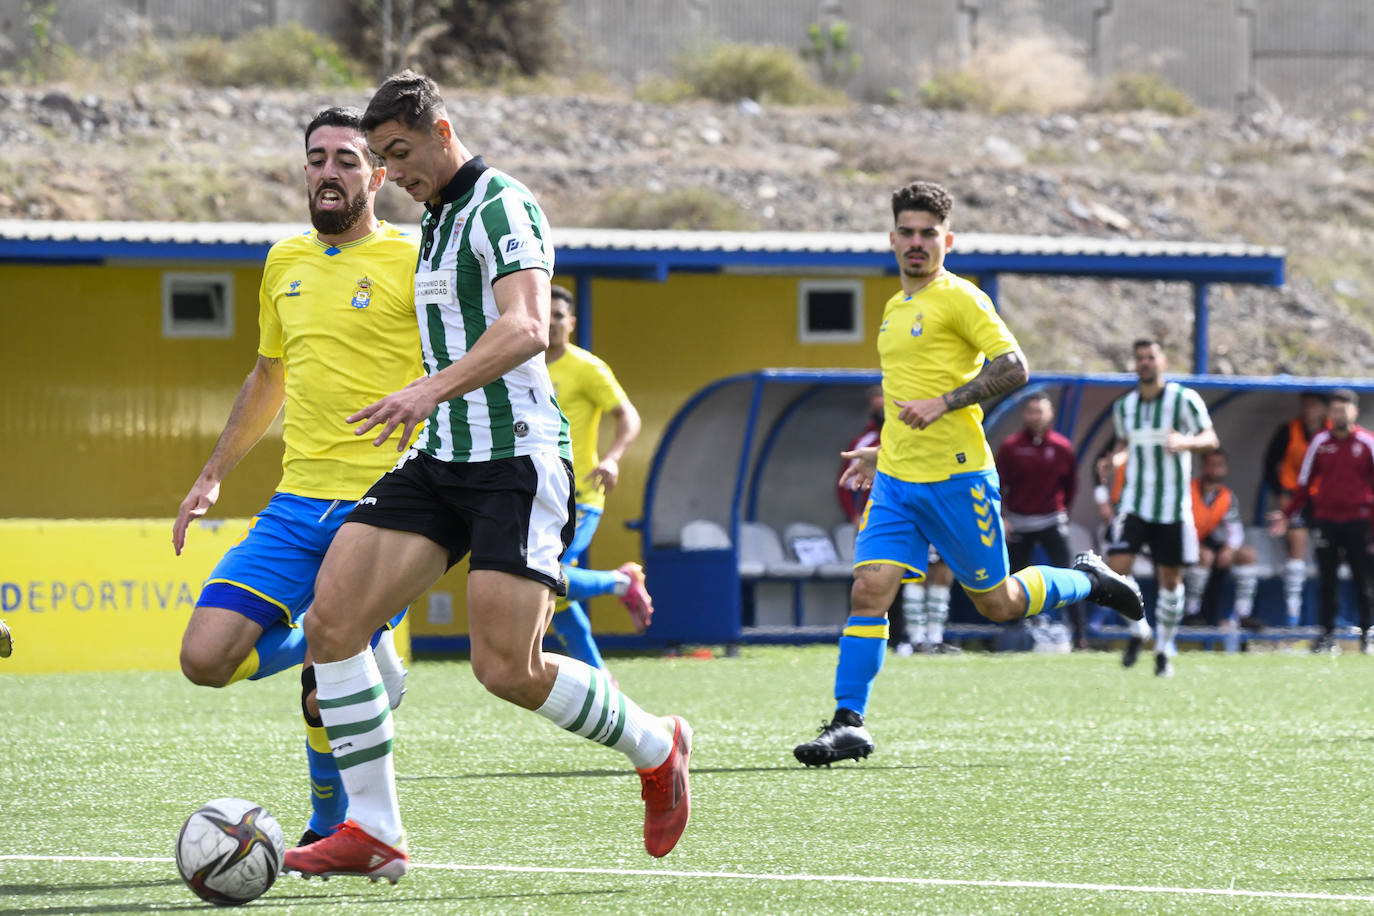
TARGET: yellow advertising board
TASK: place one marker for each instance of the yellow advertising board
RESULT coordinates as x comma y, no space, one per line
108,594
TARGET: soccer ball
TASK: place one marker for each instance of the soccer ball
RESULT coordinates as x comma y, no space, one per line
230,851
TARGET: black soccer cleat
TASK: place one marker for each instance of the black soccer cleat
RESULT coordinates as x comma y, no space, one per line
1164,667
1132,653
1110,589
842,738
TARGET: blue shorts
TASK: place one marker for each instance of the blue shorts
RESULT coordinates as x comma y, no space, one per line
960,517
269,575
588,518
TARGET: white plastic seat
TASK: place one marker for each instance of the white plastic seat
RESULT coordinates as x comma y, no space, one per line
811,544
704,535
845,533
759,543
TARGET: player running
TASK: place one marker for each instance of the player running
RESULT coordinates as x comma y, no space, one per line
336,321
933,478
491,475
1158,425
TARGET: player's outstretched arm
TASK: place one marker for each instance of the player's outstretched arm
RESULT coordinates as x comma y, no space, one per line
863,465
521,332
627,425
259,399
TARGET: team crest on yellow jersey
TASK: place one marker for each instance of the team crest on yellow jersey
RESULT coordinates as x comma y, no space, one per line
917,326
362,294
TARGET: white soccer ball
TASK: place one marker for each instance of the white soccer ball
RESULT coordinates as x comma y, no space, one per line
230,851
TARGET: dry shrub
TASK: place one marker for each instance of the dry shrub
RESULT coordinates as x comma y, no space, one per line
1029,73
765,73
1144,91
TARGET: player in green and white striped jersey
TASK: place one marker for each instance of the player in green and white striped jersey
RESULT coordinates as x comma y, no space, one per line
491,475
1159,425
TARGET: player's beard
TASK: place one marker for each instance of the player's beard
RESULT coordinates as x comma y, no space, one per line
337,222
926,268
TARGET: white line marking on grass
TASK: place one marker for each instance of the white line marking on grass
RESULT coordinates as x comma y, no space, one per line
803,878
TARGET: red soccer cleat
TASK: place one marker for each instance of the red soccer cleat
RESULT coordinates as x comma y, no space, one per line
667,795
350,850
636,598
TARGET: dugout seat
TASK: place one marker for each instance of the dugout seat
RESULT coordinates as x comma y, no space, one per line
759,545
810,544
704,535
845,533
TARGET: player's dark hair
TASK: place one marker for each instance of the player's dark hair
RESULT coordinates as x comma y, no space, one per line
563,293
1145,342
1038,394
340,116
408,97
925,196
1214,451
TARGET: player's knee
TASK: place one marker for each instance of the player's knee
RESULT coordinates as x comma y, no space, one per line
511,682
204,668
320,631
1000,606
871,599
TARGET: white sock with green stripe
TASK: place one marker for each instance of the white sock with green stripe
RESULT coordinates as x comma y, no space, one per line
585,702
937,613
357,719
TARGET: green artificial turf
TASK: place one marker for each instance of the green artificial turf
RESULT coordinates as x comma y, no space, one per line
1012,783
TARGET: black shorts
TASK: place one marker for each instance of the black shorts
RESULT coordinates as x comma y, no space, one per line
514,515
1170,543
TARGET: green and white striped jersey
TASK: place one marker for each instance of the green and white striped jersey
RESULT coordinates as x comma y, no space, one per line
486,226
1158,484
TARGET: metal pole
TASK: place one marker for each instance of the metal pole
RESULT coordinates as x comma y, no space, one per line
1200,328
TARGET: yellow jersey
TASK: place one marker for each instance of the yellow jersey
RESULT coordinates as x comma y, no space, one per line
585,388
930,343
342,321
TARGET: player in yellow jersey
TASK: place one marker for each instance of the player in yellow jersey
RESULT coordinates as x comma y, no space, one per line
586,389
943,349
336,329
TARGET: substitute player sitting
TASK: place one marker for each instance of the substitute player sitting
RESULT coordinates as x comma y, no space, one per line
943,349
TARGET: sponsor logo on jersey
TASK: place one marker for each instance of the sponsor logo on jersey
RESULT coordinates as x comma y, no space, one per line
294,289
368,501
362,293
513,246
522,429
433,286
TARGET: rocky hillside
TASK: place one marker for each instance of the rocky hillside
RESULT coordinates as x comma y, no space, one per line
1274,179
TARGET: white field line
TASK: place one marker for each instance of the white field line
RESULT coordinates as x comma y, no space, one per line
799,878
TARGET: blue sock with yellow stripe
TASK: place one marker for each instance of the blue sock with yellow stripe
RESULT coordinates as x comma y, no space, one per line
574,631
328,799
863,646
588,583
1052,587
278,648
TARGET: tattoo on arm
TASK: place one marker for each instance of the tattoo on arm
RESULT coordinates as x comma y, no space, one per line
1005,373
